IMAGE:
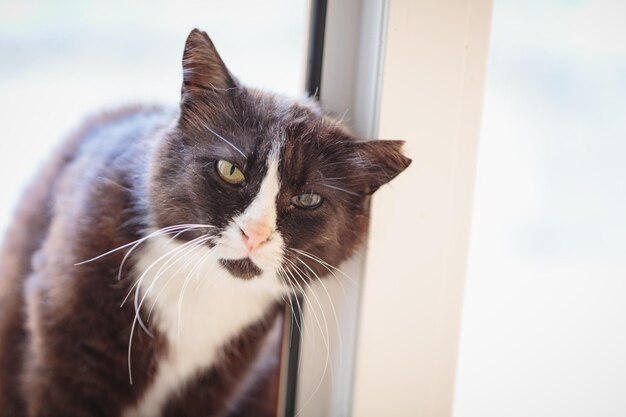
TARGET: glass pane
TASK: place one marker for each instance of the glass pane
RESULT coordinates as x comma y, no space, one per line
544,323
64,61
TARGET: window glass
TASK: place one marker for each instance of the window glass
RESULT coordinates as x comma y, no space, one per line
544,320
63,61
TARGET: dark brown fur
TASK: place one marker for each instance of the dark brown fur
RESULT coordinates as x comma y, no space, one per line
64,336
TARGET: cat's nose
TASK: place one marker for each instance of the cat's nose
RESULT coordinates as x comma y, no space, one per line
255,234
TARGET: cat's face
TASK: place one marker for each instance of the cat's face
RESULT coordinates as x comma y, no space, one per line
284,188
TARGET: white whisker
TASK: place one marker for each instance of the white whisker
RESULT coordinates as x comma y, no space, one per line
332,307
143,275
325,336
224,139
343,190
181,252
173,275
325,264
165,230
282,273
195,269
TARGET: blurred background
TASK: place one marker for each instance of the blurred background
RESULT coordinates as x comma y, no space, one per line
62,61
544,321
544,311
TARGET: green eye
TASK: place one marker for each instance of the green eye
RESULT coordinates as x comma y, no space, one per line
230,173
308,200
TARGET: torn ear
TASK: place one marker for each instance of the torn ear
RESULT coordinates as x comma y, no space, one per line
378,162
203,69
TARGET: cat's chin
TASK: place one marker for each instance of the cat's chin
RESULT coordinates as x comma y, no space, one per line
241,268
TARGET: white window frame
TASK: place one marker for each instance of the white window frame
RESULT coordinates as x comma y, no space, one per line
411,70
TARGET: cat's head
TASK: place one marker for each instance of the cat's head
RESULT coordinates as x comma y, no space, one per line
285,187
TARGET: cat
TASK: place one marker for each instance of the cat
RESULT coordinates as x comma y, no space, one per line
147,263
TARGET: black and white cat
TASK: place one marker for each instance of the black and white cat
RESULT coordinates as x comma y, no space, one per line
147,262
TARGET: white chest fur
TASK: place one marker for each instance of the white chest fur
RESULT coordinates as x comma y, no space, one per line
198,306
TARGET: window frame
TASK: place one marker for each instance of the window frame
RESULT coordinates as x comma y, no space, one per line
427,62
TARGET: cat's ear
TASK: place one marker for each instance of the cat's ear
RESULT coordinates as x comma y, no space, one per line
203,69
377,163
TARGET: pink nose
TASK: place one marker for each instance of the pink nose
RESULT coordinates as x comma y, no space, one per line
255,234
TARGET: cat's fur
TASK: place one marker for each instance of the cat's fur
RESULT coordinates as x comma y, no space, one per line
204,313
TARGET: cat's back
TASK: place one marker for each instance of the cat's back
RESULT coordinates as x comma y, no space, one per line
97,146
97,143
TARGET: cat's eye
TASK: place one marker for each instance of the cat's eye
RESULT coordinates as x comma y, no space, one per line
307,200
230,173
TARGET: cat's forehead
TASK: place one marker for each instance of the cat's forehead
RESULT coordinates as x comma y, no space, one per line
254,125
295,125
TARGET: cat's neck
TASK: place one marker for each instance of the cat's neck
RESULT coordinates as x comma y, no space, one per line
188,292
196,305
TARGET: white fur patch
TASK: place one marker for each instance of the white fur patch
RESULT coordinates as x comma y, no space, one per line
198,305
263,207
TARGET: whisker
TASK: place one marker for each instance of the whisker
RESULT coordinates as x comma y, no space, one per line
176,256
224,139
177,232
180,252
326,339
301,275
332,307
327,266
171,252
136,283
312,292
281,272
185,265
188,279
164,230
132,329
324,264
302,291
341,189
